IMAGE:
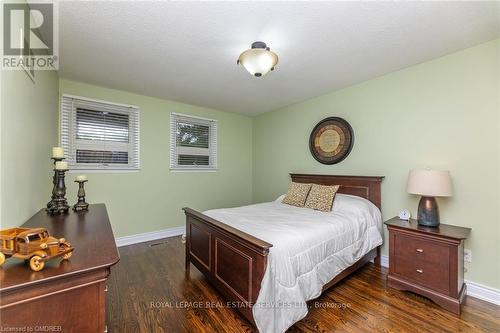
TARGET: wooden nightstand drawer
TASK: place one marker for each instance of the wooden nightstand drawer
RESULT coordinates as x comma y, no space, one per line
418,248
428,261
430,275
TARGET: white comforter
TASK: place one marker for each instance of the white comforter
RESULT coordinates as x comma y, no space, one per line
309,249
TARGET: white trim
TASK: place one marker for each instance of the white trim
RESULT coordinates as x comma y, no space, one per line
100,101
483,292
384,261
77,171
474,289
191,116
149,236
192,170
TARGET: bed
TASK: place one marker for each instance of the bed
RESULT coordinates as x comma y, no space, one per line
250,273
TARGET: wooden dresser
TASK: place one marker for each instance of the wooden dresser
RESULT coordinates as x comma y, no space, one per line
67,296
428,261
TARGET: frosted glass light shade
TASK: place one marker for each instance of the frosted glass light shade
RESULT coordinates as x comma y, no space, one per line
432,183
258,61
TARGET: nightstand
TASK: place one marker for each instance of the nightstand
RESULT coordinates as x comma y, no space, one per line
428,261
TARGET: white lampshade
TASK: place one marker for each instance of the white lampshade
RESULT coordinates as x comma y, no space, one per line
258,60
432,183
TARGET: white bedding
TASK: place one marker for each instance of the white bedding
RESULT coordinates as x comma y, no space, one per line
309,249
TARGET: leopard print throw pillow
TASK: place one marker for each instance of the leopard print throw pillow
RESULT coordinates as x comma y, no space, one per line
297,194
321,197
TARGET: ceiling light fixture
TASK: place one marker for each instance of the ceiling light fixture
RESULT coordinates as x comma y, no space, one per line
258,60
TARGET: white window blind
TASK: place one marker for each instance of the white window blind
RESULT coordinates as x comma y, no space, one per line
193,143
98,135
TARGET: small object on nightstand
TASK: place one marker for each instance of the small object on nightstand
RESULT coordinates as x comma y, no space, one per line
81,205
404,215
428,261
429,184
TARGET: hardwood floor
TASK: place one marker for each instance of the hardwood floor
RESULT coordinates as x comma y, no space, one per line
148,292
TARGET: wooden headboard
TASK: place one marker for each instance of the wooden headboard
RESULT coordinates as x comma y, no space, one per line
362,186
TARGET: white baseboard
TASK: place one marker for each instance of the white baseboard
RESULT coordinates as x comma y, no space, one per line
384,261
474,289
149,236
483,292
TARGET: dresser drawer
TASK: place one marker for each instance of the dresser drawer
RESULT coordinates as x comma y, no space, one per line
427,274
427,261
420,249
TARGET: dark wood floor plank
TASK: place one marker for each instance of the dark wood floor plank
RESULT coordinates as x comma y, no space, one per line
148,292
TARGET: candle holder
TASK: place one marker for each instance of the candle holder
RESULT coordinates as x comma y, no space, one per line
59,203
81,205
51,202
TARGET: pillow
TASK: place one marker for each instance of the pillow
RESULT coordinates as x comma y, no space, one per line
297,194
321,197
352,204
280,198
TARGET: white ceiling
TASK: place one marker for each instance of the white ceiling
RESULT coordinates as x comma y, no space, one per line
187,51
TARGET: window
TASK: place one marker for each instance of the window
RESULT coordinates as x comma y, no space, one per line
34,237
193,143
98,135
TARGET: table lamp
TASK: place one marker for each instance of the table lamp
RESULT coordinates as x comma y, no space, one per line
429,184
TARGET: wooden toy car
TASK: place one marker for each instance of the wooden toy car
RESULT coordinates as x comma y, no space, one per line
34,245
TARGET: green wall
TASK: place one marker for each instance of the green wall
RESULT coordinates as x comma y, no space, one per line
442,114
151,199
29,113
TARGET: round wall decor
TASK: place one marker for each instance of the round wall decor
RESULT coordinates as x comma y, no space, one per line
331,140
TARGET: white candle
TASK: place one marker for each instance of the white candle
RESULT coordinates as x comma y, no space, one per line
81,178
57,152
61,165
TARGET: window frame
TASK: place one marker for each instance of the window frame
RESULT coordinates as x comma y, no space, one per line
178,150
68,140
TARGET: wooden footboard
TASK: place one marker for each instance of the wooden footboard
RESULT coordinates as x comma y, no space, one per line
233,261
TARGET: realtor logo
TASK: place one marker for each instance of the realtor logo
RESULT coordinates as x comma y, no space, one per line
29,33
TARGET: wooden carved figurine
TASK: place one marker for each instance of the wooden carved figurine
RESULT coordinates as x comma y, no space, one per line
34,245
